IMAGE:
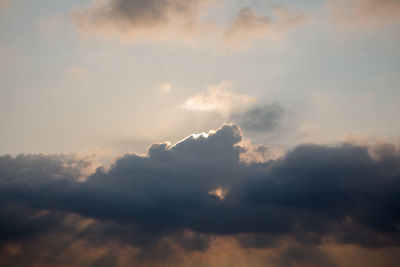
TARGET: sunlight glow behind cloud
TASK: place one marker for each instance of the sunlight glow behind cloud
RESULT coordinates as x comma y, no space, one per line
218,98
301,167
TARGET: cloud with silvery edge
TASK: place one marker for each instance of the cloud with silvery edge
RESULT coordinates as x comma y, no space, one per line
218,98
311,193
242,109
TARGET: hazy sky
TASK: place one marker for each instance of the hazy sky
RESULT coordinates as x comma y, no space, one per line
200,133
76,76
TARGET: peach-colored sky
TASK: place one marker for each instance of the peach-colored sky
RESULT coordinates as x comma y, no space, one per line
200,133
120,75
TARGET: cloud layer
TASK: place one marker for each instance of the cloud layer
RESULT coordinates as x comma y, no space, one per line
248,25
313,195
173,20
140,19
369,13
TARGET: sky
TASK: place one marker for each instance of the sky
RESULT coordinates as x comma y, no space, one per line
199,133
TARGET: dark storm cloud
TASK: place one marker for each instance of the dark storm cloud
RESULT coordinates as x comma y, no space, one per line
260,119
346,194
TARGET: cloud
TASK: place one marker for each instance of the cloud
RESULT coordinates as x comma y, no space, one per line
260,118
157,204
172,20
248,25
238,108
304,256
138,19
368,12
165,87
218,98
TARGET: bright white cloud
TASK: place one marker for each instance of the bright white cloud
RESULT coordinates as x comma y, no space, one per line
218,98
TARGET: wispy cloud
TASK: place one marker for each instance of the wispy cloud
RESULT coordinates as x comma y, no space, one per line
242,109
218,98
141,20
248,25
370,13
165,87
259,118
178,20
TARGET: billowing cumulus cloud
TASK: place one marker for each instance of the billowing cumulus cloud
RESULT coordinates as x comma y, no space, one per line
165,204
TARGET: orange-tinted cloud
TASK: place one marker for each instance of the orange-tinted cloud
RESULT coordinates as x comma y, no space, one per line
366,12
179,20
137,19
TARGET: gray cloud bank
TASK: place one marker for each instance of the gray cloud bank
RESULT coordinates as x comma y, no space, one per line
314,195
263,119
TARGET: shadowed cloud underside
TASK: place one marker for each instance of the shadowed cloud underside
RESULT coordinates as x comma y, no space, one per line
103,158
313,195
